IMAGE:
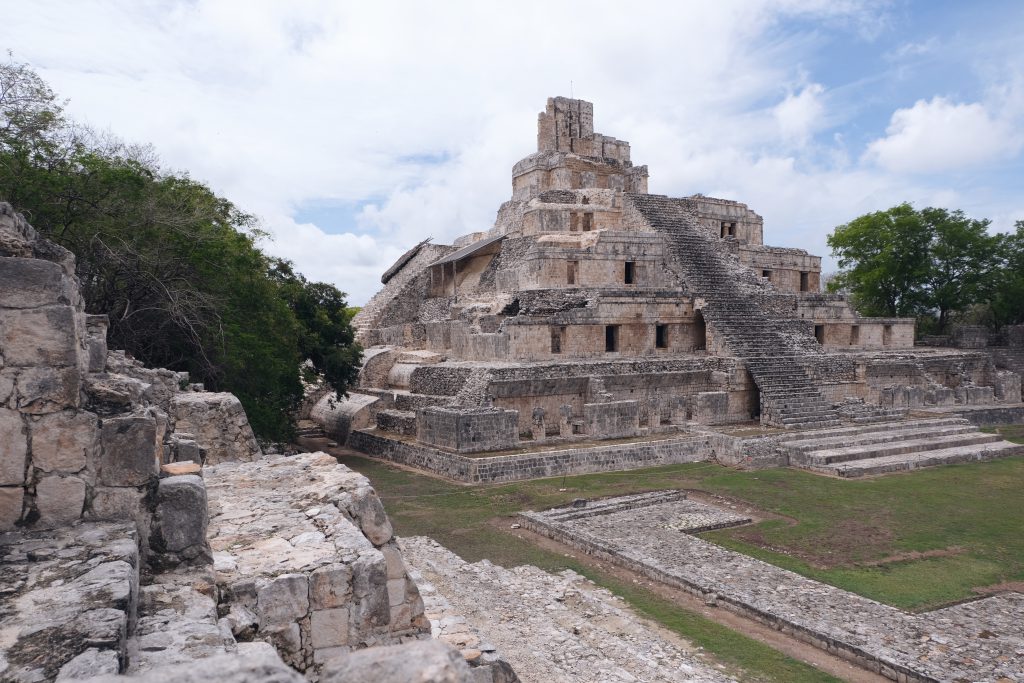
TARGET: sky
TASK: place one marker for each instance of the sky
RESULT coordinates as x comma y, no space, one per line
354,130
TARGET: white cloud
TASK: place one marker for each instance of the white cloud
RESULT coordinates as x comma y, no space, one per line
799,116
938,135
279,105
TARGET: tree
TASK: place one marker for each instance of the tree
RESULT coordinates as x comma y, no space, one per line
964,260
176,267
1008,291
883,261
929,262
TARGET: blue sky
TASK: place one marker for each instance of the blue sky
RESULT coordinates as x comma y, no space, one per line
356,129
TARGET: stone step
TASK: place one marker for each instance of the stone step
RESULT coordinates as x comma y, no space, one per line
879,436
909,461
899,447
848,430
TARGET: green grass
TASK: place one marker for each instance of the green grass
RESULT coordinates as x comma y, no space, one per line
461,518
915,541
1014,433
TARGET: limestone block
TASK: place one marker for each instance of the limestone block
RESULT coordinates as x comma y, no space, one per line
44,336
287,639
712,407
16,236
980,395
11,500
218,424
7,378
92,662
369,587
422,661
284,600
394,562
117,502
64,441
47,389
181,515
329,627
367,508
13,448
96,328
944,396
29,283
396,592
1007,387
129,451
59,500
330,586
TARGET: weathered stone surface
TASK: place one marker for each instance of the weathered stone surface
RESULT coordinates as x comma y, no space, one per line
29,283
65,592
218,424
59,500
13,448
47,389
252,663
11,502
45,336
289,547
129,451
374,522
284,600
64,441
90,663
118,503
331,586
181,517
426,661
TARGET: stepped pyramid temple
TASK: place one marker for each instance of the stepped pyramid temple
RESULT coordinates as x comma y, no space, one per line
596,312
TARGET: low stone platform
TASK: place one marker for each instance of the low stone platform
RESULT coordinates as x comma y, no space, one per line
67,600
555,628
978,641
894,446
305,558
543,462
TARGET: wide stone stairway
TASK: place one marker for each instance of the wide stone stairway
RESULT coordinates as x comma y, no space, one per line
894,447
772,346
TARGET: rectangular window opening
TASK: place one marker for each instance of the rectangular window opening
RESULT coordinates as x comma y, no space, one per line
574,222
611,338
854,335
728,229
630,272
588,222
886,335
805,278
557,333
819,333
661,336
572,272
766,274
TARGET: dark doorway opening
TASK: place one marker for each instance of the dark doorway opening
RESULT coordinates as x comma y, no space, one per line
611,338
819,333
661,336
700,332
630,272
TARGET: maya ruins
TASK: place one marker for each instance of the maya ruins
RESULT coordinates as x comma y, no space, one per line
145,535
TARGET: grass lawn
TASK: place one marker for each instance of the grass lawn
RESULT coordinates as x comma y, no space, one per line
915,540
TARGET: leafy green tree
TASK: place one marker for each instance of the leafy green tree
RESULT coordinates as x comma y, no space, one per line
1008,291
326,337
176,267
932,262
884,262
964,262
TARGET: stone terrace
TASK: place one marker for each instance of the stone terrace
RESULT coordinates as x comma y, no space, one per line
980,641
305,558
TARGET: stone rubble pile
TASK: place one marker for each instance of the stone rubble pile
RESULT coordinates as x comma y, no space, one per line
553,628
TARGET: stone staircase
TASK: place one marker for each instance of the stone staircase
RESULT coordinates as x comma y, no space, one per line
772,346
882,448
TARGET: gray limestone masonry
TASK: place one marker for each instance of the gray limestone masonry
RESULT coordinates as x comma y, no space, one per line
552,628
976,641
305,559
593,310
